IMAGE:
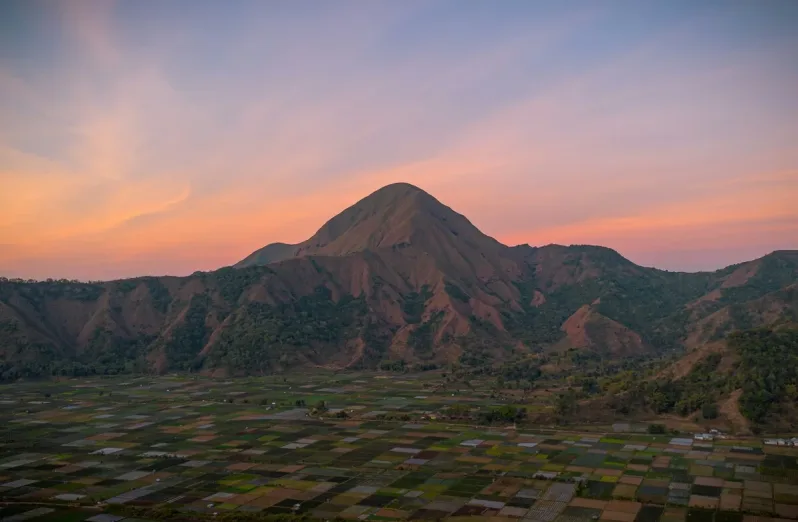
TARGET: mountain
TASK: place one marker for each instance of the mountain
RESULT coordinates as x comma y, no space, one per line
397,277
395,217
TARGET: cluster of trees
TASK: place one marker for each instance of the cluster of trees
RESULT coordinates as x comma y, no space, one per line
540,325
62,281
767,373
394,366
40,369
566,403
475,352
161,298
320,407
768,370
501,414
523,370
698,390
414,303
491,415
653,305
480,346
588,384
657,429
24,359
456,292
773,273
262,338
183,346
112,355
394,416
585,358
232,282
402,367
457,411
36,291
422,338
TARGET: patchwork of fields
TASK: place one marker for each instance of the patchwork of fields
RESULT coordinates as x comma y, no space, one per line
89,449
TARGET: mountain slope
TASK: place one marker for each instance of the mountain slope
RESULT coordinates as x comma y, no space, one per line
396,276
588,329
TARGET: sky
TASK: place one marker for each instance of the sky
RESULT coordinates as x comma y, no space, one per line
151,138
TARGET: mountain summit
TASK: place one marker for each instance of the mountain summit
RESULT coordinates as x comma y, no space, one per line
394,217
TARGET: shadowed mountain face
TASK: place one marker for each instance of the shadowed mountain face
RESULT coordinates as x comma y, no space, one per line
398,276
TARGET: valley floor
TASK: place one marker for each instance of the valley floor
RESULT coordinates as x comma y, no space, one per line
329,446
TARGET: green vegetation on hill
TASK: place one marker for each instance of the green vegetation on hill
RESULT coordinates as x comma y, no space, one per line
23,358
540,325
262,338
768,371
653,305
108,354
37,291
456,292
775,271
422,338
161,298
414,303
188,338
648,301
104,355
700,388
233,281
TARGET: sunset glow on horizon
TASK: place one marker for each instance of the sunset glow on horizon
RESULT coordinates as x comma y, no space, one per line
152,138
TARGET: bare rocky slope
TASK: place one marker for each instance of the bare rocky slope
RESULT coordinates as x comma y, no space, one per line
396,276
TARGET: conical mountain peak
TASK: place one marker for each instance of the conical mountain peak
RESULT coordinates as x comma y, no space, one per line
396,216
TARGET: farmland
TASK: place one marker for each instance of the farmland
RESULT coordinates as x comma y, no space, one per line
354,446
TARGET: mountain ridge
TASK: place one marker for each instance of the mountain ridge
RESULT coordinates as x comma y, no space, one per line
397,276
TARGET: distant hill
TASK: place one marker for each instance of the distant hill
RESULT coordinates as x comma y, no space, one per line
398,276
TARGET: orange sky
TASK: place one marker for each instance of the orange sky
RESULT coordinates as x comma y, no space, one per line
133,147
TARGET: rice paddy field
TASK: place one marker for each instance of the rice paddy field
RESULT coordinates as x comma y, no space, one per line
94,449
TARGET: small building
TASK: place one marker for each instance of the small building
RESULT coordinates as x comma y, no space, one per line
704,436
